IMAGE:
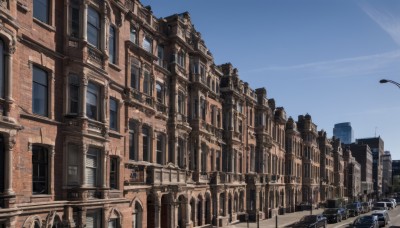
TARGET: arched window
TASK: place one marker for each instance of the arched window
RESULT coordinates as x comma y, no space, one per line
2,68
93,27
137,216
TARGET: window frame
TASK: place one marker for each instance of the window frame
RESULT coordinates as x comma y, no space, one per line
96,27
37,15
135,67
147,43
45,111
160,149
181,58
70,181
2,68
75,20
146,143
94,152
113,45
41,164
97,116
133,34
114,173
74,83
97,215
114,114
160,92
148,83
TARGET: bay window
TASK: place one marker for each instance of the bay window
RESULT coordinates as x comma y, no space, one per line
92,167
73,92
113,114
146,143
112,45
73,164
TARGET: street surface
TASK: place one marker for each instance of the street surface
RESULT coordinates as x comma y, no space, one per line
289,218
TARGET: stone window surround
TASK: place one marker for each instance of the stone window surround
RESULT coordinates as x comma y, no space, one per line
51,152
83,149
8,42
50,88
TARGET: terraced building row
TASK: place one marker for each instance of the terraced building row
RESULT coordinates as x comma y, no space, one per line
112,117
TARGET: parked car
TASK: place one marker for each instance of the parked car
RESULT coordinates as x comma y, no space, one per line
354,209
390,203
332,215
367,206
344,212
380,206
383,217
313,221
304,206
366,221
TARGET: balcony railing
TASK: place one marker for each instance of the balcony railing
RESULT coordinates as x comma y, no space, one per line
162,176
162,108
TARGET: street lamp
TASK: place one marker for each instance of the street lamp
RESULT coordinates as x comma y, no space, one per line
390,81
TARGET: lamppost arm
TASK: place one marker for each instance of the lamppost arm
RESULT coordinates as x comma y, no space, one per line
390,81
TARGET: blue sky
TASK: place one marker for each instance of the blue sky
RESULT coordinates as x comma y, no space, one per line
319,57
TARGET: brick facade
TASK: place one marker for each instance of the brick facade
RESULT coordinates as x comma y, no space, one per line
112,117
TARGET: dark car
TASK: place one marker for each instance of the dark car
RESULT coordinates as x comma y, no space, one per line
366,221
333,215
309,221
354,209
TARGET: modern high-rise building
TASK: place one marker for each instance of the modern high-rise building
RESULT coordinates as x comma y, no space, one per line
387,172
377,148
344,132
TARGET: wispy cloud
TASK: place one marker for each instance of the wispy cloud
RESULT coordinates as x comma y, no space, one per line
341,67
387,20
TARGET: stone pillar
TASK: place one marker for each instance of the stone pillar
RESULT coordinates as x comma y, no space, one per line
52,171
188,211
83,95
8,182
9,73
104,170
84,14
51,98
83,173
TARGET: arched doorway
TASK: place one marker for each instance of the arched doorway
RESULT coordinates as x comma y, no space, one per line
137,216
208,209
241,201
222,204
182,211
199,210
193,211
152,204
166,212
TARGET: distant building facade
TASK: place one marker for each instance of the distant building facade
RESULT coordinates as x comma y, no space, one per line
387,173
377,148
396,175
344,132
363,155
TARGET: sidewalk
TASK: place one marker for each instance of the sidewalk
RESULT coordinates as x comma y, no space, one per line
283,220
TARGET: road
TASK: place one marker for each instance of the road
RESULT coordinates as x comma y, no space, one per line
290,218
393,214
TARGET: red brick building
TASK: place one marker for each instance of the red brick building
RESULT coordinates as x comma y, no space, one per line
112,117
